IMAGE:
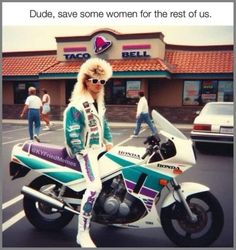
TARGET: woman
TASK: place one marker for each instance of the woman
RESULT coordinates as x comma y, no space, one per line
87,133
46,100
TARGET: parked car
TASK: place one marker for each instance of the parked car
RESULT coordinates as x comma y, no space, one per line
214,124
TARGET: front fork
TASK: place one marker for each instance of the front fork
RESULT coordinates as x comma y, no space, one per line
178,190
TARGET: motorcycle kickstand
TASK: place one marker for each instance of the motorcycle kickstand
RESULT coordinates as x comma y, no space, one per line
177,188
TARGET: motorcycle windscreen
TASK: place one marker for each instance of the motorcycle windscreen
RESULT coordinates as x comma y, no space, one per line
162,123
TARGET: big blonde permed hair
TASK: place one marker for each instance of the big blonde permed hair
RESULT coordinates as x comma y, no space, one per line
92,68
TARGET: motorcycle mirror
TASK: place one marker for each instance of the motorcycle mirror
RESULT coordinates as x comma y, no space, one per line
153,139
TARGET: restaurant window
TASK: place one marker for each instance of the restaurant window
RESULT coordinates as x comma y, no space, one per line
132,89
118,92
225,91
191,95
208,91
201,92
121,91
20,90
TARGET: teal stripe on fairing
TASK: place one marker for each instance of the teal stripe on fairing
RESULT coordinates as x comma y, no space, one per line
133,173
34,164
65,176
60,176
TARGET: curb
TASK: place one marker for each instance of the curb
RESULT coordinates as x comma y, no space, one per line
111,124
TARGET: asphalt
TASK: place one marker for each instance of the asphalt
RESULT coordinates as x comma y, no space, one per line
111,124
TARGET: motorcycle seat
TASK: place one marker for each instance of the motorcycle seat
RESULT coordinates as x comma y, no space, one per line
51,153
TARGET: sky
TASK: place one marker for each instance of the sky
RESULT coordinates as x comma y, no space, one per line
33,38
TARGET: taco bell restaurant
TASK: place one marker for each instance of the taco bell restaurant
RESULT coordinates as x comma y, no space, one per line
177,79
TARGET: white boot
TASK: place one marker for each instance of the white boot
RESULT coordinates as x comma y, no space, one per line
83,237
84,240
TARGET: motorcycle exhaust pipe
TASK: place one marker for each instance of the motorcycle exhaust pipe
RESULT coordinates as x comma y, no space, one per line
38,196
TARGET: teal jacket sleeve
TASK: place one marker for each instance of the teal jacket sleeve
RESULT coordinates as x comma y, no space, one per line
107,132
74,123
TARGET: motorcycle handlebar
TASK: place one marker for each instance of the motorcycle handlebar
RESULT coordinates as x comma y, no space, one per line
145,155
154,142
148,152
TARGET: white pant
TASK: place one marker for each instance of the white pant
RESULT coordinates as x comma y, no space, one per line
90,170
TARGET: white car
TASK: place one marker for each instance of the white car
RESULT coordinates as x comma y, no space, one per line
214,124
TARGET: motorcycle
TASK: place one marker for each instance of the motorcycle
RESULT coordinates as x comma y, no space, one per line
136,182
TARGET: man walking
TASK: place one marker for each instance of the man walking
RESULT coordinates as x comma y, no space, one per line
33,105
142,115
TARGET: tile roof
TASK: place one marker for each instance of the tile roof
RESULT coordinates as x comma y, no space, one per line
218,61
152,64
65,67
26,65
117,65
176,61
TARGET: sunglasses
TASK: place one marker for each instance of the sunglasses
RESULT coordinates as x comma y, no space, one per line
95,81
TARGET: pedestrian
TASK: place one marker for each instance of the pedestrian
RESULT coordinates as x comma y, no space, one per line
33,105
87,134
142,115
46,100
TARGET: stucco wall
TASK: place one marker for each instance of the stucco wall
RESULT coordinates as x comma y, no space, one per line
165,93
157,47
56,90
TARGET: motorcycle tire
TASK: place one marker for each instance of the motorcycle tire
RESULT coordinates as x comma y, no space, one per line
42,215
202,233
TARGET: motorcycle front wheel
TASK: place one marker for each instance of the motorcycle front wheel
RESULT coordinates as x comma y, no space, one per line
42,215
203,232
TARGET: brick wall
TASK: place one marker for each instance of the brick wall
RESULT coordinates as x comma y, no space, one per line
115,113
14,111
124,113
179,114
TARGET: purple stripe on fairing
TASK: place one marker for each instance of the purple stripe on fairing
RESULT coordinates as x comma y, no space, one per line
149,207
130,185
148,192
143,191
52,153
148,202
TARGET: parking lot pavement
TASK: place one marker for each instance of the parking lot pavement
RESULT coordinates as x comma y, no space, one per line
112,124
213,170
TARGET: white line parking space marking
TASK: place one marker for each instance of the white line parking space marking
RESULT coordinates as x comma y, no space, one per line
18,140
12,201
10,131
128,139
13,220
27,138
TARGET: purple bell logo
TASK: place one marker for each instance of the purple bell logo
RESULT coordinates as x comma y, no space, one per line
101,44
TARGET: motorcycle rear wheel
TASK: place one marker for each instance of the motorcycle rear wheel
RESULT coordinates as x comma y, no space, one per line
202,233
42,215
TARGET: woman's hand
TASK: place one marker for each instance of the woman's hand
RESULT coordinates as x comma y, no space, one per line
108,147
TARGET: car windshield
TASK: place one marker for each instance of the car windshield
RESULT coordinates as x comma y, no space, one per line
218,109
